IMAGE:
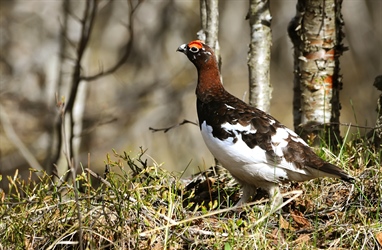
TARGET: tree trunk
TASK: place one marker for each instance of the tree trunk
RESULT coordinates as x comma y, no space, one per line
316,33
375,135
209,16
260,89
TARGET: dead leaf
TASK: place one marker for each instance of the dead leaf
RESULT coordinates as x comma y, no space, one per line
379,238
284,224
303,238
277,236
299,218
157,246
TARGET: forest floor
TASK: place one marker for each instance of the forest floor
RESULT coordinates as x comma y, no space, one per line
136,205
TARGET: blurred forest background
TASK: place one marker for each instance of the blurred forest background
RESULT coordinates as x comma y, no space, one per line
155,86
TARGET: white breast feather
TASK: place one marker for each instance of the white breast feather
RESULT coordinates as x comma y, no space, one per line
251,164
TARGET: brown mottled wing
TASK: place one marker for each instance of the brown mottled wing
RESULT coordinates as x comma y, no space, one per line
301,155
304,157
230,109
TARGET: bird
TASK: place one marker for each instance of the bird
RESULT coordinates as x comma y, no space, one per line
257,150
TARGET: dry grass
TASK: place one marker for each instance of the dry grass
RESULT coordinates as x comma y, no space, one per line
141,206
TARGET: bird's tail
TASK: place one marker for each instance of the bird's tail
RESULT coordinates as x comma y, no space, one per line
335,171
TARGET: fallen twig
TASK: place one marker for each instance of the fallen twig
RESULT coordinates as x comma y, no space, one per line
165,130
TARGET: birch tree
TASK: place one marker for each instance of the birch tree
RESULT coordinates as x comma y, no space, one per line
316,33
209,18
259,55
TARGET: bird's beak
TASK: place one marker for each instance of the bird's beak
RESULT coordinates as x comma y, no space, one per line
182,48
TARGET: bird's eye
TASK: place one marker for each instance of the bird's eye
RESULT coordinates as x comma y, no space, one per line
194,49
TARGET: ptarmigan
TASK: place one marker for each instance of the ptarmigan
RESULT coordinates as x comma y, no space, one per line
253,146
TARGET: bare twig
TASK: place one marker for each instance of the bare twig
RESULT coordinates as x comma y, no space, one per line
128,46
165,130
98,124
97,176
316,125
295,193
15,139
312,126
354,126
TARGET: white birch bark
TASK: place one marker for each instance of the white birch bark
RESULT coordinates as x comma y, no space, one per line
259,55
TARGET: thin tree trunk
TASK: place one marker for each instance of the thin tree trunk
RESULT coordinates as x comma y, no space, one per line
55,138
376,134
209,16
259,55
316,33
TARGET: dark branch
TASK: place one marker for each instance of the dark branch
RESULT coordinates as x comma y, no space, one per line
312,126
87,26
165,130
128,50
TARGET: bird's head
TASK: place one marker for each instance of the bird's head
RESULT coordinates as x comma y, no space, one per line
198,53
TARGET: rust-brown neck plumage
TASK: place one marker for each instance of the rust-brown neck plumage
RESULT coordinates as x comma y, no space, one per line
209,83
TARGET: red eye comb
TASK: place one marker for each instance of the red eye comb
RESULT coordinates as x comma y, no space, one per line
197,44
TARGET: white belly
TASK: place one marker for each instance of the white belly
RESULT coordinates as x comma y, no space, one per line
246,164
